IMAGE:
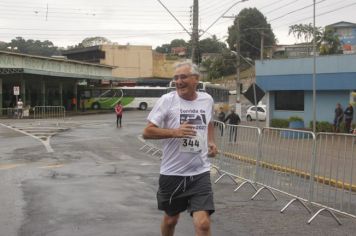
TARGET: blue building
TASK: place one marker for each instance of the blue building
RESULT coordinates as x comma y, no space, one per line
346,32
288,84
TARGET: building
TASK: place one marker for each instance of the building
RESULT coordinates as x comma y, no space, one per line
346,32
46,81
293,51
129,61
289,90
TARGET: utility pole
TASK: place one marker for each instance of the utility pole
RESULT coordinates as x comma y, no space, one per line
195,33
238,92
262,42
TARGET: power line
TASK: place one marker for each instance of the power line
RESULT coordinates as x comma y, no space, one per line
299,9
321,14
280,7
271,4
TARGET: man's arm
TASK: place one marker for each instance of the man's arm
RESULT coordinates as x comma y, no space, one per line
212,149
152,131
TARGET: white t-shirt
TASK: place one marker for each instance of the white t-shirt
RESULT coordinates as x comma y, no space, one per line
19,104
184,156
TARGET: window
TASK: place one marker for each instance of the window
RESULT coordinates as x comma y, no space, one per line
289,100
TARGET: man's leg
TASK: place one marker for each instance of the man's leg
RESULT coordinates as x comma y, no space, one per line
117,121
201,220
168,224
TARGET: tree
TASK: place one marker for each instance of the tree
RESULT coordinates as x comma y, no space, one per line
211,45
304,32
207,45
178,43
166,48
94,41
34,47
252,25
329,43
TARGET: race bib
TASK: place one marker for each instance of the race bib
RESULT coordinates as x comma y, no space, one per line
192,145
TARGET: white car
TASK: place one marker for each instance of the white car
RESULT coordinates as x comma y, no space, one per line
251,112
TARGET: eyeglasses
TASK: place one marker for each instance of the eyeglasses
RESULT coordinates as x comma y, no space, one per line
181,76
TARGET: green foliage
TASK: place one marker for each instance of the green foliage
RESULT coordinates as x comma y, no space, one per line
30,46
178,43
252,25
94,41
279,123
329,43
165,48
304,31
295,118
322,126
211,45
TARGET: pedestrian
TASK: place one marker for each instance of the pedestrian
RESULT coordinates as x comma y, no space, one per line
221,118
234,119
349,114
19,108
74,103
221,115
339,115
118,111
183,118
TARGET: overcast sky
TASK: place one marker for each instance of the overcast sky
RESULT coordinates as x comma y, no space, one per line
146,22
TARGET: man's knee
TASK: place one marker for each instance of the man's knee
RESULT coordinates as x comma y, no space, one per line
170,221
202,222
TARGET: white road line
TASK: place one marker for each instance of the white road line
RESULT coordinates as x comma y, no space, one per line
44,142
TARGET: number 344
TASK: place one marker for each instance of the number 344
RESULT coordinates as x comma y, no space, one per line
190,142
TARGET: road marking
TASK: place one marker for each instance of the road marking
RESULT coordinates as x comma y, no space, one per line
49,166
44,138
9,166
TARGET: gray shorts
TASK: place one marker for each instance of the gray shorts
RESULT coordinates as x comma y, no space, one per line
179,193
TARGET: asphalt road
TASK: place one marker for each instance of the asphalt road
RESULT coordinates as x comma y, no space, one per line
83,176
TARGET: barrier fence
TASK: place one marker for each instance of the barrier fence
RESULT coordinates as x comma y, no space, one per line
14,113
313,169
49,112
37,112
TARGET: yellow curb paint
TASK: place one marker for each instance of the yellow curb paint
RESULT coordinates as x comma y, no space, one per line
9,166
51,166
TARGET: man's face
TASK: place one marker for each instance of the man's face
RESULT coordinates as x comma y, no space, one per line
186,83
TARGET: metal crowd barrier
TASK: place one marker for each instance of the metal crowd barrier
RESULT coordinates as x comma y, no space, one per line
151,146
219,128
9,113
239,152
314,169
285,163
334,185
14,113
49,112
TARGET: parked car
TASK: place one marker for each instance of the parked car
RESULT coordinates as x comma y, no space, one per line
251,112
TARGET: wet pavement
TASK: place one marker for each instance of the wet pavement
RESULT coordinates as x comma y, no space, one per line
96,181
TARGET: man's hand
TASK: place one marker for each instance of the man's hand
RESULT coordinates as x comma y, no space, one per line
212,150
185,130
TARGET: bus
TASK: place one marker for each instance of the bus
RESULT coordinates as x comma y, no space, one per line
219,93
141,97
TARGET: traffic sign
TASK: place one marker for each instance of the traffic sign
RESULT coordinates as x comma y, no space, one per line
16,90
249,94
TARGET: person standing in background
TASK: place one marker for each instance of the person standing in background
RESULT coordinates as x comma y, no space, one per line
19,108
339,115
118,111
234,119
349,114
